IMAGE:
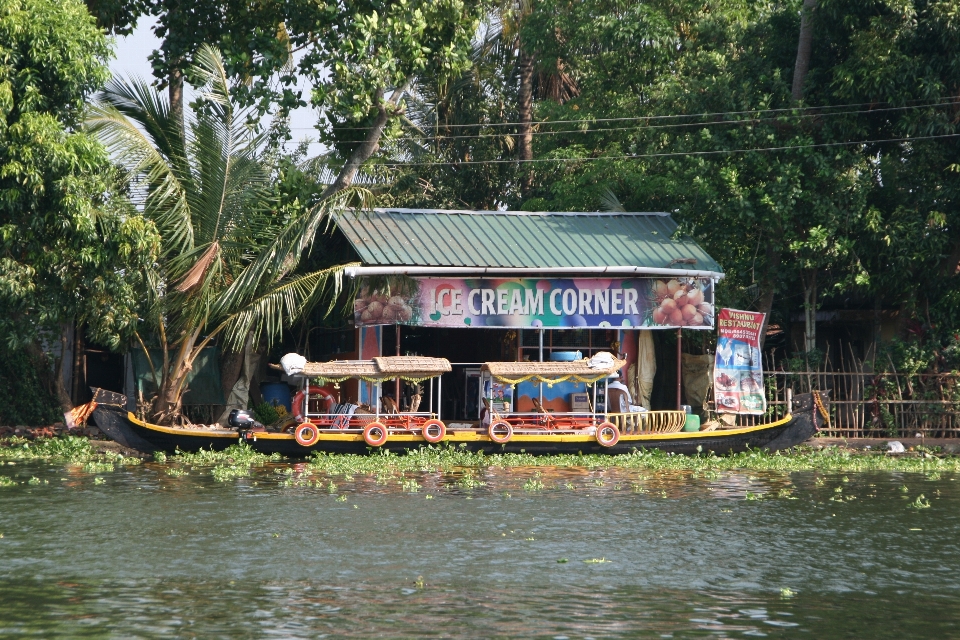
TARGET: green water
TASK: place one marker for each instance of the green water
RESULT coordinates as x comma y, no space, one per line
139,553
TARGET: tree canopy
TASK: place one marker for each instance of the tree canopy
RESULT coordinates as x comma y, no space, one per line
68,253
842,186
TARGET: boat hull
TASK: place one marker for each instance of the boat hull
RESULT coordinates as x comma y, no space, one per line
783,434
123,427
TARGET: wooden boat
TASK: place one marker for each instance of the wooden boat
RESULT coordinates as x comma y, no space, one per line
534,433
353,428
113,419
595,431
541,433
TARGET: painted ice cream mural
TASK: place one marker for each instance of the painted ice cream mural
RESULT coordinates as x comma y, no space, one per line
537,302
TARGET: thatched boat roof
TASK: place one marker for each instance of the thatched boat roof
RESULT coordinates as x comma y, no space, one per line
413,368
550,372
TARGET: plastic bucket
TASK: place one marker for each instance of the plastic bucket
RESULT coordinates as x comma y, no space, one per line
692,423
277,393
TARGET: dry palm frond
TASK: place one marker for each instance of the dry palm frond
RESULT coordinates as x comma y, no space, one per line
609,201
199,270
556,84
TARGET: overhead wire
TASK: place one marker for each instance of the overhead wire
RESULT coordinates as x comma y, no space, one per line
822,110
666,154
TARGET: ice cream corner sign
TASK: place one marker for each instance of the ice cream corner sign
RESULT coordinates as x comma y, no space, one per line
738,371
538,302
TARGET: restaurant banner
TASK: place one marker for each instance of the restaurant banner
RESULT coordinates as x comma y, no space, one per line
654,303
738,371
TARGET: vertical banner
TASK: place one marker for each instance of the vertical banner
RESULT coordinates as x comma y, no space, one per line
738,370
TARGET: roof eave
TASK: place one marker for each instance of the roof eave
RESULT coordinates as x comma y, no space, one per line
392,270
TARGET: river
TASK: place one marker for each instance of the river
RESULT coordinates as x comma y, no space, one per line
144,552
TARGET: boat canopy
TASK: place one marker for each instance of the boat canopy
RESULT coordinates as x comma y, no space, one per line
412,368
551,372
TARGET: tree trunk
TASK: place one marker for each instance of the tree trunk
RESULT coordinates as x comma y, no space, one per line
79,371
803,49
810,312
385,111
167,405
525,119
768,287
59,387
175,94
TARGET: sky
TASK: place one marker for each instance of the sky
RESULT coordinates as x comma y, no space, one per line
131,60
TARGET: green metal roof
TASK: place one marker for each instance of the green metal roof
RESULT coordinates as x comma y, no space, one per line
519,239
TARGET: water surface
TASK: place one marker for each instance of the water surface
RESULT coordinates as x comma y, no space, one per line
139,553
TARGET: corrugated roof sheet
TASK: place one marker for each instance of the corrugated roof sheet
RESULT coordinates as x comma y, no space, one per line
519,239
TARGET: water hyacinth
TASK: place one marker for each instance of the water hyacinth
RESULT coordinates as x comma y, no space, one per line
68,449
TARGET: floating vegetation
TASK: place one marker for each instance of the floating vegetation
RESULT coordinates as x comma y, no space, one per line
97,466
454,459
69,449
235,454
469,481
787,592
533,484
225,472
7,482
920,503
409,484
447,467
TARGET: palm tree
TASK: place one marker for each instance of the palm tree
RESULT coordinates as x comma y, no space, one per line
229,256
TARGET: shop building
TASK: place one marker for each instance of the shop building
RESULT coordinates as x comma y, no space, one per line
477,286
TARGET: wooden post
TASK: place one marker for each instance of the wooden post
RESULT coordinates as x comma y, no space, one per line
396,382
679,343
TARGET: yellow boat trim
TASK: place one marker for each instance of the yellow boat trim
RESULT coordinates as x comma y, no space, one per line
220,433
679,435
478,436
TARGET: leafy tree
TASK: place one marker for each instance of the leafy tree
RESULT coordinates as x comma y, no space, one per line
69,255
359,58
230,246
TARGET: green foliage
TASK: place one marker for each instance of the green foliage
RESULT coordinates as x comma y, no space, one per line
227,262
785,197
266,413
236,454
66,449
24,396
67,253
350,52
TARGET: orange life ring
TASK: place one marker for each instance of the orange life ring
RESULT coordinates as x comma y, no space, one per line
500,432
306,434
299,406
434,431
375,434
608,434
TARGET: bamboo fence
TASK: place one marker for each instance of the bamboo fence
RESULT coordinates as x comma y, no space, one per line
865,403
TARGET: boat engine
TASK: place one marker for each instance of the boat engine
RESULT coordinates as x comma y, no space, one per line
242,419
